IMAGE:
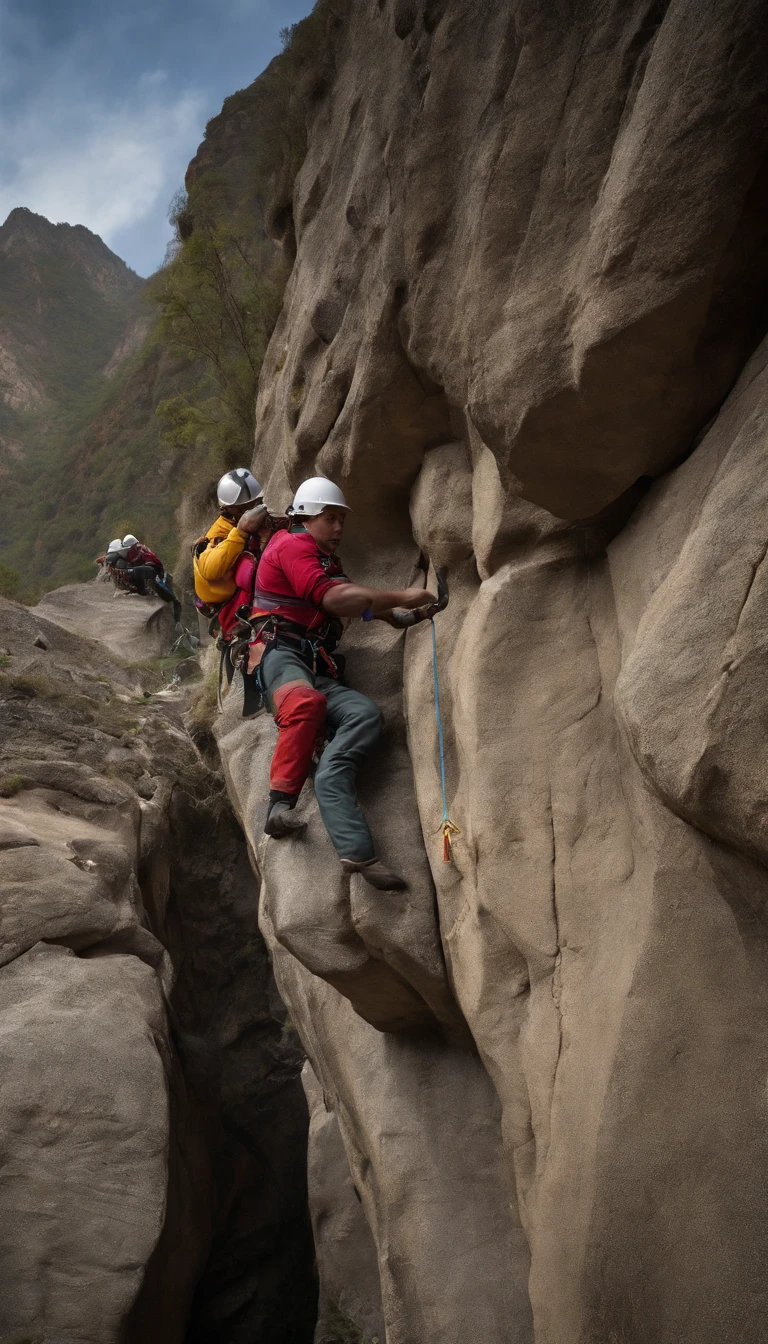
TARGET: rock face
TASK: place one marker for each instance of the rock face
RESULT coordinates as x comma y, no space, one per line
346,1252
529,283
131,627
152,1122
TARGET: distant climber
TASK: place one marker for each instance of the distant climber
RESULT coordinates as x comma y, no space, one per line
134,568
301,599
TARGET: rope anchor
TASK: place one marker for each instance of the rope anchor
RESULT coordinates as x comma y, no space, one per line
448,828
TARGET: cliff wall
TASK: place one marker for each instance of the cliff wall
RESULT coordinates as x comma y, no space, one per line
523,330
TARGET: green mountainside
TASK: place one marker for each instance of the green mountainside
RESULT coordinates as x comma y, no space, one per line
70,313
122,401
66,303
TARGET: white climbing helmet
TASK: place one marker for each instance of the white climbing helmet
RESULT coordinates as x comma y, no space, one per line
238,487
315,495
114,546
129,540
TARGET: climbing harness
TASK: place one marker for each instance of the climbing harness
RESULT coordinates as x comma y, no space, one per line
448,828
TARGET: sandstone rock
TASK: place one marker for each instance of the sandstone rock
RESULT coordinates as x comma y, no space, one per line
694,678
83,1134
525,255
420,1125
45,896
152,1184
75,660
346,1252
132,628
14,834
530,264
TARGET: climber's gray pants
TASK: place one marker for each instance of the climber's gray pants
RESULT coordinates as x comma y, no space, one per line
351,722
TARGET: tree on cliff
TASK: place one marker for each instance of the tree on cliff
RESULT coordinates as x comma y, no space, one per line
219,299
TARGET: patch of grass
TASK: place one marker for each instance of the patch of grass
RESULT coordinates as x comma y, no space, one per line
26,687
10,785
5,659
30,685
157,673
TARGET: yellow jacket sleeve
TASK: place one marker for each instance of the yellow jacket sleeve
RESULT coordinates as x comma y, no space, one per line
216,561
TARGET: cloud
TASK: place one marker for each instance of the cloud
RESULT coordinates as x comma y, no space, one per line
102,104
104,166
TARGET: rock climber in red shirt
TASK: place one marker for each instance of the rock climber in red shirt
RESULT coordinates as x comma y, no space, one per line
303,595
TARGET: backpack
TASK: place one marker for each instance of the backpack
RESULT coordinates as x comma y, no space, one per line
244,575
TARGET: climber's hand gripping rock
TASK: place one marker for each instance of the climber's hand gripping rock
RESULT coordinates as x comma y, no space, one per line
403,619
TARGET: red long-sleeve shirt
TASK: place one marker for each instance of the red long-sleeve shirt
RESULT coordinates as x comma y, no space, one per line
293,577
141,555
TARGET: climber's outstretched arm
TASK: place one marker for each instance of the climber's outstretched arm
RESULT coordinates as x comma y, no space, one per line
350,599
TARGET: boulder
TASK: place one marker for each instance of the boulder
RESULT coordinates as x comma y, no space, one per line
133,628
83,1132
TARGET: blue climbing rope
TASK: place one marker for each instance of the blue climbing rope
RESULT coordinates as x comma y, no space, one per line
447,827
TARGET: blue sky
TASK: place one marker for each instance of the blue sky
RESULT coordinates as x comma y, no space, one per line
104,102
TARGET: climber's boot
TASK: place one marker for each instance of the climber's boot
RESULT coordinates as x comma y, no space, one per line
282,821
376,873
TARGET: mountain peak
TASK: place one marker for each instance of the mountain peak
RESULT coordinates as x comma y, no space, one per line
22,216
25,231
67,305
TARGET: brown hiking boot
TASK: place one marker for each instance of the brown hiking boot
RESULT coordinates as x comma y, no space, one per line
376,873
283,822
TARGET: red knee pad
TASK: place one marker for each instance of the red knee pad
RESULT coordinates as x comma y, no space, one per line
300,718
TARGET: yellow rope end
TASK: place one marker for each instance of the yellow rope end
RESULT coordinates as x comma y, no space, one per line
449,830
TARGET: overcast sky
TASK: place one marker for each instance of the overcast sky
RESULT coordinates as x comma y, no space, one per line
104,102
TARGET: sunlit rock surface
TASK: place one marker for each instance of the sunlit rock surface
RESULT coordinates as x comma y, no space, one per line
132,627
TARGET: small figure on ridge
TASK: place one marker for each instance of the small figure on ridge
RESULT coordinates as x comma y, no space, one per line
134,568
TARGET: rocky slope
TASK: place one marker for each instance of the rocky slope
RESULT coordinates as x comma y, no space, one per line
152,1122
523,329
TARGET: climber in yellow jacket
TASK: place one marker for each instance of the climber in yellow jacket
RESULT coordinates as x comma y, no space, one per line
216,554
